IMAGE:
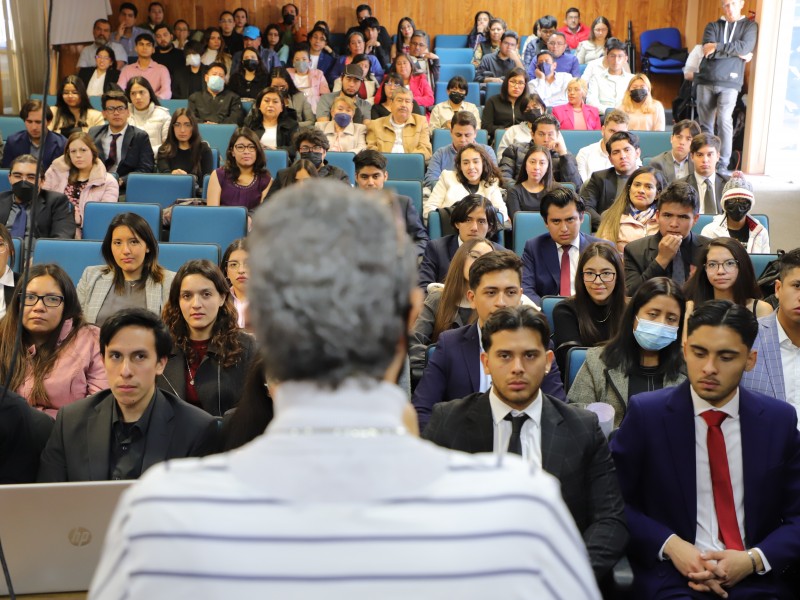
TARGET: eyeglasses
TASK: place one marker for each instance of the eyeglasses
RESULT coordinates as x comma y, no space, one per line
311,148
244,148
49,300
418,44
554,43
115,109
102,57
236,265
605,276
727,265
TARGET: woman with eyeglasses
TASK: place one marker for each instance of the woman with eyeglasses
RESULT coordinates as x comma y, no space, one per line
508,107
211,355
492,36
383,106
81,176
280,79
146,111
726,274
60,360
235,262
184,152
590,317
73,110
271,121
131,277
645,354
182,32
9,278
244,179
103,75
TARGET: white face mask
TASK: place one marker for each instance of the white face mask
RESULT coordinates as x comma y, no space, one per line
193,60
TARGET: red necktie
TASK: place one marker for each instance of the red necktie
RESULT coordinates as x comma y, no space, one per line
721,481
565,275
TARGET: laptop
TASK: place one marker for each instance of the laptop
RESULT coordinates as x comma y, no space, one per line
53,533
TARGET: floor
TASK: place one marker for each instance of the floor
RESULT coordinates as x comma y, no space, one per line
780,200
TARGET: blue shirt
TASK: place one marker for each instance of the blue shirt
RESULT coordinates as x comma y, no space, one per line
444,160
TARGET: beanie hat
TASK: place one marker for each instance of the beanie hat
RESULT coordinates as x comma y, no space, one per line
737,188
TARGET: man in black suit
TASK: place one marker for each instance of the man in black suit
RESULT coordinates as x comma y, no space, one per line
371,174
123,148
23,434
604,186
672,252
120,432
515,416
54,217
705,179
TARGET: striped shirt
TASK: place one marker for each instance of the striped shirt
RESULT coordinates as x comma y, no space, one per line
335,502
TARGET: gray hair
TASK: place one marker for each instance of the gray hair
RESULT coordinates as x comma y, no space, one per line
331,277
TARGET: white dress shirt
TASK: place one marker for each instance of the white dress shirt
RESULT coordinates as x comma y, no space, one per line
790,363
574,255
701,189
486,379
552,93
107,145
397,147
6,280
531,434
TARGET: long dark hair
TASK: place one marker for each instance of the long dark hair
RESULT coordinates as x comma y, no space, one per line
265,36
399,43
490,174
547,179
397,78
525,97
224,333
40,364
260,69
590,334
624,352
169,149
142,81
474,30
111,54
255,118
231,168
699,289
283,74
253,412
604,21
63,116
207,36
141,229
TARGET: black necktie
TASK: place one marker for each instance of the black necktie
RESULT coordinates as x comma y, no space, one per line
709,204
515,443
111,161
678,269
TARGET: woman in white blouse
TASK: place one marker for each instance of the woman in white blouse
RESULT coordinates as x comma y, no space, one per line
146,111
594,47
99,79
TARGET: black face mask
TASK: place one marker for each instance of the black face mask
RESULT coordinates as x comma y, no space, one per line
288,19
737,210
250,64
456,97
531,115
638,95
23,190
314,157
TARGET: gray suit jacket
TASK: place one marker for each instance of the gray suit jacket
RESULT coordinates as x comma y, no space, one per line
96,282
574,451
80,444
665,163
767,376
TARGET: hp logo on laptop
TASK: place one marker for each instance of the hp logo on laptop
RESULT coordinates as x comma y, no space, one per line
79,536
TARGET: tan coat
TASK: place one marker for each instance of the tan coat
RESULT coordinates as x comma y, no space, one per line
416,137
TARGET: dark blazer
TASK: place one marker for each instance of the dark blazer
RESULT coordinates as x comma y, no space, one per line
287,127
218,388
185,82
654,452
574,450
599,193
541,269
136,151
640,259
416,231
666,164
436,260
8,295
719,183
512,161
54,218
112,76
23,435
453,372
325,171
19,143
79,447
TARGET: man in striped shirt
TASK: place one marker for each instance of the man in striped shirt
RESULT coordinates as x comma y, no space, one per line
338,500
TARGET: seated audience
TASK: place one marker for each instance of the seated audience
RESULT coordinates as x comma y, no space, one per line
535,180
243,180
495,421
233,40
463,129
240,18
210,355
576,114
191,78
54,218
506,108
402,44
352,80
455,370
672,252
416,82
551,260
522,131
594,157
272,37
422,59
543,28
594,47
370,27
403,132
280,79
214,49
480,29
391,82
307,79
494,66
291,28
81,176
363,12
496,29
235,261
155,16
121,147
592,315
101,34
645,112
472,217
216,104
272,121
633,214
442,114
73,110
146,111
131,277
600,191
99,78
311,144
607,86
29,141
184,152
565,61
675,163
735,221
645,354
167,53
60,360
344,135
322,57
181,31
250,78
474,173
121,431
574,31
371,175
369,86
355,46
127,31
706,180
145,66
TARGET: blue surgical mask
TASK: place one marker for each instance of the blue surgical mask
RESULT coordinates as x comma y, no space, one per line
546,68
654,336
216,83
342,119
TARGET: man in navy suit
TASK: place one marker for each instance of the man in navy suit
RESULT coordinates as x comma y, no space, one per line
455,369
779,338
543,257
132,151
710,473
705,179
30,140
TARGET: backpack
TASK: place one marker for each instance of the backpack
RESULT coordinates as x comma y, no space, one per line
767,278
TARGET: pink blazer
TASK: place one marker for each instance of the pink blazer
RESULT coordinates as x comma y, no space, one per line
102,186
564,115
318,85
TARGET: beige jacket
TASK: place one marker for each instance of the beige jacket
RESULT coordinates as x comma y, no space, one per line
416,136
